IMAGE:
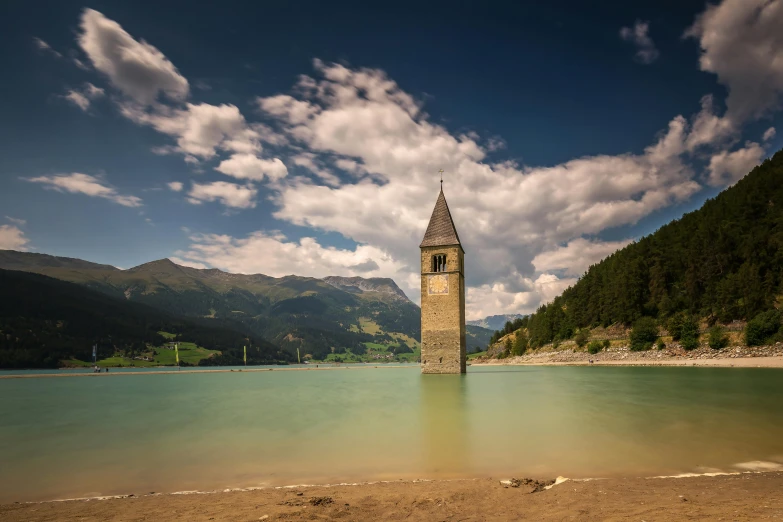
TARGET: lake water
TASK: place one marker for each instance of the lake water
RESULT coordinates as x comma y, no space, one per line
74,437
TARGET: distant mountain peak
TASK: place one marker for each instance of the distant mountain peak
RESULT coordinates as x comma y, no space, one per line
495,322
164,264
358,285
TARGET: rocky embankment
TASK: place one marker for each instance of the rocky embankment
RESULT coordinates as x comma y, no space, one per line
621,353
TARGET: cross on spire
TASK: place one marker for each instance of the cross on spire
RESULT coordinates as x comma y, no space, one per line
441,178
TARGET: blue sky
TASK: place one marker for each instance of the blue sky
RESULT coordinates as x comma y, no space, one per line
306,138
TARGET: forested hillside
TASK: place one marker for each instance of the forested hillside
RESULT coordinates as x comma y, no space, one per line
44,321
722,262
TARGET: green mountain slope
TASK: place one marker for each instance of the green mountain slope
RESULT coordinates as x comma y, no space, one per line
44,321
723,262
314,316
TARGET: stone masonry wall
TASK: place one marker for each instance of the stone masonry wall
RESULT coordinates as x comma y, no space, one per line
443,346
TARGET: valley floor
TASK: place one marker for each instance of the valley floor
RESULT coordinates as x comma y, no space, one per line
735,356
747,496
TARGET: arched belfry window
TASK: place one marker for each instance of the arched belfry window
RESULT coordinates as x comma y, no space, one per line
439,263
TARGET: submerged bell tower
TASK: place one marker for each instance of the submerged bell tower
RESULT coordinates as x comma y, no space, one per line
443,347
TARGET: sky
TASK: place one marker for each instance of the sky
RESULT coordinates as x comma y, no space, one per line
306,138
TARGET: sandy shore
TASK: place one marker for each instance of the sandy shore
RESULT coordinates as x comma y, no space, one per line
747,496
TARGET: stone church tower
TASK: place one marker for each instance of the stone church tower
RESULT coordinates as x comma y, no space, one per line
442,295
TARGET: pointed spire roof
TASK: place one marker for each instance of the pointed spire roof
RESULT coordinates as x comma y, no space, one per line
441,230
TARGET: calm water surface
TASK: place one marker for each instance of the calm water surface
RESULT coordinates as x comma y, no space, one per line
71,437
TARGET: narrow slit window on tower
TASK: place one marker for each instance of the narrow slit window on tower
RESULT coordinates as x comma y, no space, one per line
439,263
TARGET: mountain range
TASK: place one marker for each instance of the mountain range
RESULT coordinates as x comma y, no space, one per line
495,322
313,316
45,323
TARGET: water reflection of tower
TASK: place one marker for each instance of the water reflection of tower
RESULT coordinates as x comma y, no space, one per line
446,430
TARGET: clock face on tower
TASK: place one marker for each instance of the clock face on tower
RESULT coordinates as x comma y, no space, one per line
438,284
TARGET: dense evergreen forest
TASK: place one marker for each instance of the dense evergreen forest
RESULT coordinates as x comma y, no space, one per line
44,321
722,262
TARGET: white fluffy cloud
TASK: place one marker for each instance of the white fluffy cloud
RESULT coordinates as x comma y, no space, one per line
726,168
251,167
200,129
639,36
506,213
136,68
176,186
498,298
577,256
707,128
519,223
275,255
769,134
12,238
742,43
293,110
229,194
310,161
82,98
77,183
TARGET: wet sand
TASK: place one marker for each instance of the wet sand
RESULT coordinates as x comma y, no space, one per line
747,496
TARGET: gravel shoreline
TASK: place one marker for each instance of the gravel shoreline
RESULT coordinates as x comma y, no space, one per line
733,356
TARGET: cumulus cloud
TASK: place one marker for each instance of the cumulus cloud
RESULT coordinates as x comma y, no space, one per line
200,129
77,183
742,43
176,186
519,223
365,117
82,98
274,254
726,168
507,214
309,161
295,111
12,238
707,128
769,134
577,256
365,266
638,34
498,298
229,194
251,167
136,68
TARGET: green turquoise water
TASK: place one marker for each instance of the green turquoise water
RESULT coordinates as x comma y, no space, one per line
74,437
